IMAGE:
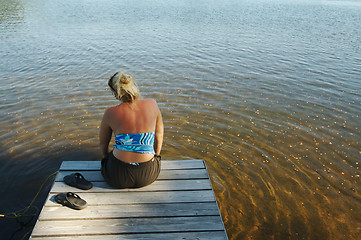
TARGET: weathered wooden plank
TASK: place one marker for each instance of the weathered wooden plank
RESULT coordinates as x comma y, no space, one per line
179,205
96,176
165,165
141,197
210,235
130,225
166,185
131,210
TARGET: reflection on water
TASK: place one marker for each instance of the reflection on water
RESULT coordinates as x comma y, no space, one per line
261,91
10,14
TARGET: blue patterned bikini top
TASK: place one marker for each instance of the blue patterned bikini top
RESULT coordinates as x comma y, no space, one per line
135,142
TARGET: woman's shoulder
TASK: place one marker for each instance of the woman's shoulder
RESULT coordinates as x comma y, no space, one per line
149,104
148,101
112,110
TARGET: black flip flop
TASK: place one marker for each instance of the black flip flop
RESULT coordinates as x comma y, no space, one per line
71,200
77,180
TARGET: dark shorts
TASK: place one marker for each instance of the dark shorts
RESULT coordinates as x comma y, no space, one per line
124,175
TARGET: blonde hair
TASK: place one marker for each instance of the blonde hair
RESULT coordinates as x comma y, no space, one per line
123,87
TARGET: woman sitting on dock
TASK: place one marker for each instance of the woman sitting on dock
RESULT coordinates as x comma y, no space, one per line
138,128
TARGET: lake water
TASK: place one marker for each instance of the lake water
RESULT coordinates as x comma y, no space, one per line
267,92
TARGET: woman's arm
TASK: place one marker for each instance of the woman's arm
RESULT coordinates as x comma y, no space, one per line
105,135
159,131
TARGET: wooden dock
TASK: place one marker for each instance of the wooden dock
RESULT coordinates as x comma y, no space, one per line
179,205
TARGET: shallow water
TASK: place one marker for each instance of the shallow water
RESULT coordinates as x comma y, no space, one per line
268,93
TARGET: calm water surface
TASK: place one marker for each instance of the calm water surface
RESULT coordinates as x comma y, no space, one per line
267,92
